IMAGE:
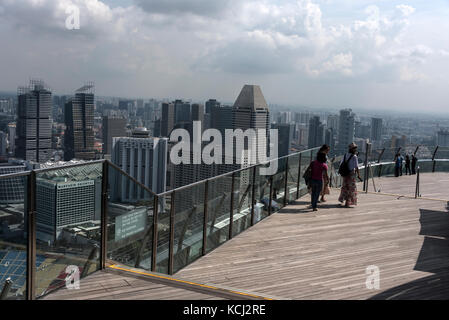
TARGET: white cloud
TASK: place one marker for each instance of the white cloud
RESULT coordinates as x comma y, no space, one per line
155,45
405,9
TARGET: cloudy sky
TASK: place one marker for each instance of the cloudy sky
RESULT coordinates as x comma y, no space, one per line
363,54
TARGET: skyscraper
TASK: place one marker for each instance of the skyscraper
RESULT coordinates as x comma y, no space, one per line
210,104
112,127
316,132
198,113
168,119
346,129
182,111
443,138
34,122
12,137
144,159
285,137
3,144
79,120
332,122
251,111
376,129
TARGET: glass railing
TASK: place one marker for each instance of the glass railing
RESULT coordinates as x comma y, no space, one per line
61,224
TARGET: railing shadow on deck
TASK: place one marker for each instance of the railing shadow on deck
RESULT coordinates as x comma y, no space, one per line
433,258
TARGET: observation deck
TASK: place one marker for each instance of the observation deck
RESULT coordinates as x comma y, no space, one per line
300,254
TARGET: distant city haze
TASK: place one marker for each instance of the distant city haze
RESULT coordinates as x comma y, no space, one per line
390,55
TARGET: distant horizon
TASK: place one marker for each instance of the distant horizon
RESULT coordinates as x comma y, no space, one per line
379,111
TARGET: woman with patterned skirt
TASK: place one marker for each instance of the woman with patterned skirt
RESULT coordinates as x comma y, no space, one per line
348,192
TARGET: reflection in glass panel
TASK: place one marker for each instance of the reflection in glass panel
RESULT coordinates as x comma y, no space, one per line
163,232
279,185
219,206
189,218
129,221
292,177
13,235
242,198
262,194
68,212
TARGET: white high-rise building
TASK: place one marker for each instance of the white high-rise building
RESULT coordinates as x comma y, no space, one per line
144,159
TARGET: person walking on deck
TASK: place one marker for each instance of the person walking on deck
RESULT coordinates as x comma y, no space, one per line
349,169
319,171
325,149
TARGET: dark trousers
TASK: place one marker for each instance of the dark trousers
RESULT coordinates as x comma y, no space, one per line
413,168
317,186
396,171
407,169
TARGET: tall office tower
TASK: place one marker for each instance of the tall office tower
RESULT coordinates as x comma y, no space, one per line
210,104
127,105
285,137
144,159
221,118
168,119
316,132
304,117
332,122
79,120
112,127
251,111
346,129
182,111
376,129
198,113
443,138
3,144
34,122
329,138
285,117
12,137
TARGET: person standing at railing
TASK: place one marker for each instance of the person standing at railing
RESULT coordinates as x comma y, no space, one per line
319,171
398,165
325,190
407,165
350,164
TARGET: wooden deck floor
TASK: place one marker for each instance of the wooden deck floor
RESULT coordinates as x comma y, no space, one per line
300,254
107,285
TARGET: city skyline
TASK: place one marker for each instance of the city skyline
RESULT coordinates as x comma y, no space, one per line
359,54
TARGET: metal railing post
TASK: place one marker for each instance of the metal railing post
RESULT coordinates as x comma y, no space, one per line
299,176
417,183
253,196
172,234
231,214
433,159
365,176
205,215
31,233
286,182
380,155
270,200
104,214
155,229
